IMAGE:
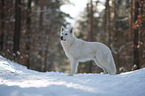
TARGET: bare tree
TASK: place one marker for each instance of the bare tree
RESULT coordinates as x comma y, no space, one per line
2,24
41,13
17,29
91,33
107,21
28,32
136,35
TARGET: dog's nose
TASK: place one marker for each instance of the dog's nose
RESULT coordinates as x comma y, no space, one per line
61,38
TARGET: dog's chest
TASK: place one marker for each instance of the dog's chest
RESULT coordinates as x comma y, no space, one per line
68,48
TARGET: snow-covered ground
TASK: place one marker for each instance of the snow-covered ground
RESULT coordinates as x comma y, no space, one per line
17,80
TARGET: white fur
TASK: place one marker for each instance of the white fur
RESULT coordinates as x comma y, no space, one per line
80,51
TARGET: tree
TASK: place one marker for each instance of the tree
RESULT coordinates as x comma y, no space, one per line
136,37
107,21
115,31
91,33
42,4
2,24
17,30
142,32
28,32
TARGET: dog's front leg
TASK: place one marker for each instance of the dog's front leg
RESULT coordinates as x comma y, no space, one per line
74,65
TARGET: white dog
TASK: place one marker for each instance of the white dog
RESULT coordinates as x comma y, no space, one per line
80,51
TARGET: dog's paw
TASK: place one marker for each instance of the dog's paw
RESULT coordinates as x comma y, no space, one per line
104,73
70,74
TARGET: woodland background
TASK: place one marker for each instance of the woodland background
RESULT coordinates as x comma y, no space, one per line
29,33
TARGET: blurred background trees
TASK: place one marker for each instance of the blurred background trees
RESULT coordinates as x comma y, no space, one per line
29,32
120,26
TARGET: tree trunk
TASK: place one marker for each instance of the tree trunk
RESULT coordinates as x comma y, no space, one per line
142,30
91,34
41,13
91,22
114,17
115,32
28,33
131,18
107,22
136,39
17,29
2,24
42,4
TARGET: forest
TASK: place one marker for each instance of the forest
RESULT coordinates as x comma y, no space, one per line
30,33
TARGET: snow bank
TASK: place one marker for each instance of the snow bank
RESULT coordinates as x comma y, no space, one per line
17,80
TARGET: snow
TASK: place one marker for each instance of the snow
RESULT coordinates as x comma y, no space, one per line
17,80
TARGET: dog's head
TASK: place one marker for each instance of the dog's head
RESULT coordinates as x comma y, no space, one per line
66,33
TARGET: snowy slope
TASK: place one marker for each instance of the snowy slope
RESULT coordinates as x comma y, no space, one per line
17,80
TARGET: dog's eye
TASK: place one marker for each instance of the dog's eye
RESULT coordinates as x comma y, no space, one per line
66,34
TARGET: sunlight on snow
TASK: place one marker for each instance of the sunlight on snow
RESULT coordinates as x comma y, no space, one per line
25,82
8,67
127,72
46,83
25,79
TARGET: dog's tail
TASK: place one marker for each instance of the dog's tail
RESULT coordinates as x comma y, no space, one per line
112,66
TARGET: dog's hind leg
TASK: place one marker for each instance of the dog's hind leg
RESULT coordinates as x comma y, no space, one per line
74,65
99,65
108,63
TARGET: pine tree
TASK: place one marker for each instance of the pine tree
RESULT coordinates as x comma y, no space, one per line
28,33
2,24
136,37
17,31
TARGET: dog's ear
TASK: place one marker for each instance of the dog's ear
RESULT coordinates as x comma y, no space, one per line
71,30
62,28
